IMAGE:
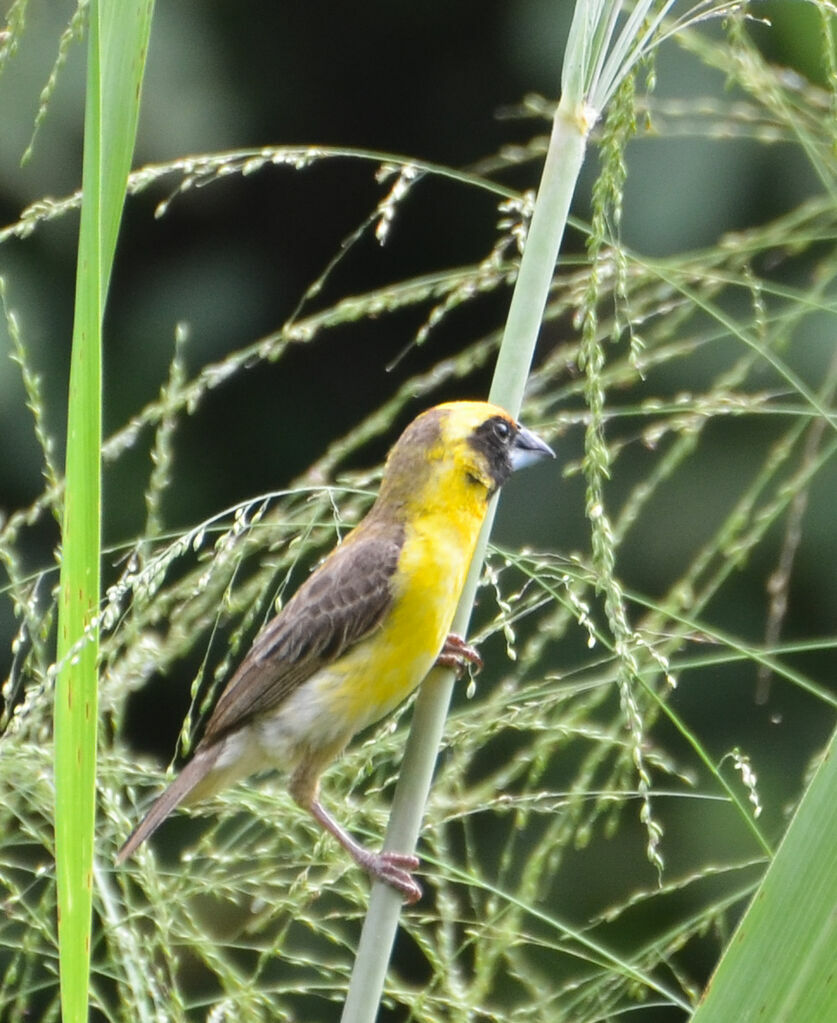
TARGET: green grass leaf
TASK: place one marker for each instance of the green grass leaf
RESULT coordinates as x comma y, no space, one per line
118,40
779,964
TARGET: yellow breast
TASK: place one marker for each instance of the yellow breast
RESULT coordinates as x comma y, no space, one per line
377,674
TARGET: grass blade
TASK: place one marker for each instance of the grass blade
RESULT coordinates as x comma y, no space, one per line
118,40
791,924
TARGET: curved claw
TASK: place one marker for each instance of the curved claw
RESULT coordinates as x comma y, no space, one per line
457,655
395,869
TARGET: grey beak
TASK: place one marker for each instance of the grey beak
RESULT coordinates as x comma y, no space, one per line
528,448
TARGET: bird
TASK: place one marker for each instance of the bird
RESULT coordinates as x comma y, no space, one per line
364,629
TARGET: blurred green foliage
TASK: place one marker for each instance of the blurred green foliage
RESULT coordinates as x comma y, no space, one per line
722,475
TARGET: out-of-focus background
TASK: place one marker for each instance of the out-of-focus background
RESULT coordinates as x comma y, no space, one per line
437,84
444,84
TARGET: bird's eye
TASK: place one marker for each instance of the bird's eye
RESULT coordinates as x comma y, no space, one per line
502,430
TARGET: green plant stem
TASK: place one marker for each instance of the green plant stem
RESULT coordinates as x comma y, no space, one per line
118,41
78,635
561,168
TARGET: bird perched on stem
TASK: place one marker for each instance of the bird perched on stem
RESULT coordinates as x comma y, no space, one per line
365,628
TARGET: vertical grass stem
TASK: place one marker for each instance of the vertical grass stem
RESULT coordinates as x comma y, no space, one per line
118,42
561,168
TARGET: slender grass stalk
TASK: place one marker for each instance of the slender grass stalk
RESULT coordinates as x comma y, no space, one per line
118,40
561,168
597,60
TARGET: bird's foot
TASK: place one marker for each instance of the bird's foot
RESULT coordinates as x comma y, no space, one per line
394,869
458,655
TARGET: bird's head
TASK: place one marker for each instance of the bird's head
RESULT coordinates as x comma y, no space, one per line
469,444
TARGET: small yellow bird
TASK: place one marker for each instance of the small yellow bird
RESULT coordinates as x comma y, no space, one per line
365,628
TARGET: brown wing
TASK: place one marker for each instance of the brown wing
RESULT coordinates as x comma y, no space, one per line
340,604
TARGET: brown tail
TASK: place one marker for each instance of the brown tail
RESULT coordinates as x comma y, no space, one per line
192,774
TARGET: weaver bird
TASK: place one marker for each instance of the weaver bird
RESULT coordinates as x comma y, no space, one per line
365,628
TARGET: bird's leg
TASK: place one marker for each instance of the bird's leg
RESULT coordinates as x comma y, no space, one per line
457,654
394,868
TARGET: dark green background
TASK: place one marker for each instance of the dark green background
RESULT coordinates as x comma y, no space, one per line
232,261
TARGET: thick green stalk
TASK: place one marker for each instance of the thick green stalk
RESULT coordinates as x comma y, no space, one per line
561,169
78,636
118,40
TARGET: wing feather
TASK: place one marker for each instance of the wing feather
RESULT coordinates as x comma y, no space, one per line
339,605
